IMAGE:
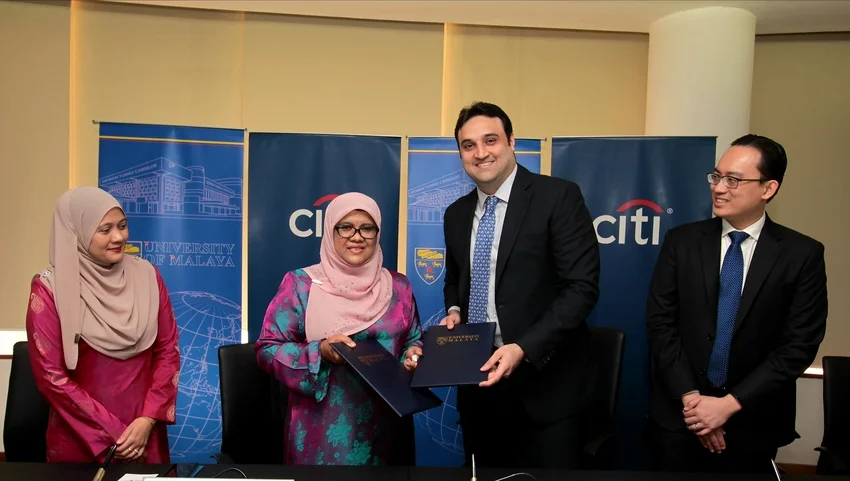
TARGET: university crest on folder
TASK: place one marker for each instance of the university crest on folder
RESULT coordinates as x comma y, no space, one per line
430,263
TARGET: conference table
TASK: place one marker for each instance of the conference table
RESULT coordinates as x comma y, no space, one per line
76,472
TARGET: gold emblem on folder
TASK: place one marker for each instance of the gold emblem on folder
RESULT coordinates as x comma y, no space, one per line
371,359
443,340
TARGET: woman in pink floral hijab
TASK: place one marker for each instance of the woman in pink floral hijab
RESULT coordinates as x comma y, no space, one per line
335,418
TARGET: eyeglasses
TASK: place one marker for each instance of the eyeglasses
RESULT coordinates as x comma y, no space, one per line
348,231
728,180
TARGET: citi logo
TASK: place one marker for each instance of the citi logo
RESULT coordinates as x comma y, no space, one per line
610,229
308,228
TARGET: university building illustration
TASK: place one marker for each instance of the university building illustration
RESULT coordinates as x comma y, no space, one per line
162,187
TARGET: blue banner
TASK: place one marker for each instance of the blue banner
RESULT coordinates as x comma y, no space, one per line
436,179
292,178
636,188
181,188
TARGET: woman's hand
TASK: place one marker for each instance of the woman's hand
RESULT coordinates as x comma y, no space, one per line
410,362
132,444
328,353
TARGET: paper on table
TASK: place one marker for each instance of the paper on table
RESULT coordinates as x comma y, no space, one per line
136,477
142,477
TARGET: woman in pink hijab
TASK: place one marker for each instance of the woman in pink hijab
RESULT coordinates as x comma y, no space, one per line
102,339
335,418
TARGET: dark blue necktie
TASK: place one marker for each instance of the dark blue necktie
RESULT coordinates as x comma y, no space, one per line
480,277
731,280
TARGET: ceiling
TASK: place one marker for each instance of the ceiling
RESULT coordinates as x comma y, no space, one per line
773,16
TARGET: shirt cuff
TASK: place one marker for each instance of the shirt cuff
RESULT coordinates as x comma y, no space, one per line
453,308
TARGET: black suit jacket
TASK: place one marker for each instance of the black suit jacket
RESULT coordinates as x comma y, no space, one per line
780,323
547,276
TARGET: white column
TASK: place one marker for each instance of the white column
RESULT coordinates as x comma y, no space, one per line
700,74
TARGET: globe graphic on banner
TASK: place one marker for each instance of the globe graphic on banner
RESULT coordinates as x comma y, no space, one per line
205,322
441,423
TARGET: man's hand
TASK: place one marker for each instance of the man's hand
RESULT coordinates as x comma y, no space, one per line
705,414
714,441
687,398
451,320
328,353
502,363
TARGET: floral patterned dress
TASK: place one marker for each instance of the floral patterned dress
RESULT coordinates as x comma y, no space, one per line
334,417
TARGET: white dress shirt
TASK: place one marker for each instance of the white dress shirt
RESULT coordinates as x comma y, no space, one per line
503,194
748,246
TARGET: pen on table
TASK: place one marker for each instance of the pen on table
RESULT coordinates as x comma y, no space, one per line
101,471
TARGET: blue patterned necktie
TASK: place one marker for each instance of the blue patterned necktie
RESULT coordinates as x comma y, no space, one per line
480,278
731,280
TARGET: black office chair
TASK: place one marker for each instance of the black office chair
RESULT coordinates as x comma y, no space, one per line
600,446
253,409
404,447
834,450
25,425
251,398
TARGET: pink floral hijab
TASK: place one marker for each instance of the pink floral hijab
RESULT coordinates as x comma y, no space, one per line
347,298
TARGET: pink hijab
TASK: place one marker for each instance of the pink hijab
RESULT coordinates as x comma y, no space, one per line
113,308
347,298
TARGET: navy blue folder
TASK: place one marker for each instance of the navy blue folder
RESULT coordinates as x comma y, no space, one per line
454,358
387,376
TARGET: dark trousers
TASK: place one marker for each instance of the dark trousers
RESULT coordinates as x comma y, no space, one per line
498,430
681,451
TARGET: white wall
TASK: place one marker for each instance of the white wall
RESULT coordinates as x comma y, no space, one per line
8,338
5,366
801,451
809,424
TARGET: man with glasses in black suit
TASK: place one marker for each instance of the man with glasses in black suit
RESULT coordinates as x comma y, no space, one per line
736,312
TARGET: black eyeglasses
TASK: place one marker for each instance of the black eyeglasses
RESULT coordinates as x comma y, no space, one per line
728,180
348,231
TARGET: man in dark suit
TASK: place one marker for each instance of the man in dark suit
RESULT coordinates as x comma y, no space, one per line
521,251
736,311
